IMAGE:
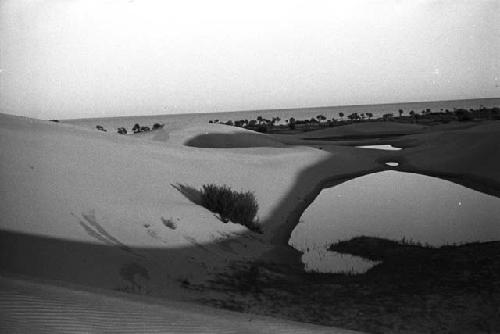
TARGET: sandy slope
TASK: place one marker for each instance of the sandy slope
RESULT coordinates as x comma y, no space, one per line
101,209
28,307
88,207
102,190
469,155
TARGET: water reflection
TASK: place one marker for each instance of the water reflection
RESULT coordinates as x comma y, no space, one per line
394,205
381,147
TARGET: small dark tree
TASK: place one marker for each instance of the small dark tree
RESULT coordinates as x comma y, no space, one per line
354,116
122,131
463,115
136,128
157,126
400,111
341,115
100,128
388,116
262,128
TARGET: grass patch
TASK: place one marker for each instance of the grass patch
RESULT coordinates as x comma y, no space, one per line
379,249
238,207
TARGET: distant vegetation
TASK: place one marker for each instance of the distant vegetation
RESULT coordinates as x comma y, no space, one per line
240,208
426,116
379,249
138,128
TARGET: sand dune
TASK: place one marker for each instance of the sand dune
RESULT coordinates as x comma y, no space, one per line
28,307
468,156
89,207
103,210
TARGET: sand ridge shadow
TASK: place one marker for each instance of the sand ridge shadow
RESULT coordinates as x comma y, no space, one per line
192,194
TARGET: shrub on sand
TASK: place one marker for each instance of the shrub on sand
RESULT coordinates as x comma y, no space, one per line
157,126
238,207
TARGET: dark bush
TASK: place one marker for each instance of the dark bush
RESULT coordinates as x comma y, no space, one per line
234,206
136,128
262,128
157,126
463,115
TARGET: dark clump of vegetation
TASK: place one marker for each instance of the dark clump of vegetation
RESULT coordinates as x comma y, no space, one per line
157,126
379,249
415,289
427,117
238,207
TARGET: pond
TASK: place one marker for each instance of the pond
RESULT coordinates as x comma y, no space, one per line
381,147
392,205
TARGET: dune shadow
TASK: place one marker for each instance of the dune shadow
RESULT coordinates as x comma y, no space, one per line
232,140
102,265
192,194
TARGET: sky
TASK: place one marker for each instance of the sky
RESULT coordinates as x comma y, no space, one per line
95,58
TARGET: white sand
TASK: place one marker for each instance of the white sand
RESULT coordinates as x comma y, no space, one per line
88,207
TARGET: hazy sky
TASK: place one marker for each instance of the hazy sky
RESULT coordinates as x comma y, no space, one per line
92,58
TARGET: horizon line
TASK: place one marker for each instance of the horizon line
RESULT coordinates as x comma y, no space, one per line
270,109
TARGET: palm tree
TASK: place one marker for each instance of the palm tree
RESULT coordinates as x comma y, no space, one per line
341,114
400,111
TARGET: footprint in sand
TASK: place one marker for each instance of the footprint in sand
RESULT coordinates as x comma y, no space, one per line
132,272
169,223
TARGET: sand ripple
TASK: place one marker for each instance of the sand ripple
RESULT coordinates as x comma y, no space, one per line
27,307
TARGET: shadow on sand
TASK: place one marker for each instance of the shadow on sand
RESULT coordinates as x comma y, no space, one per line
144,270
